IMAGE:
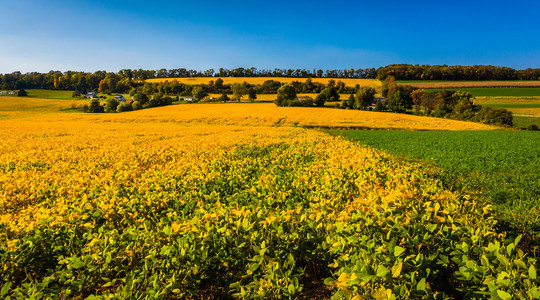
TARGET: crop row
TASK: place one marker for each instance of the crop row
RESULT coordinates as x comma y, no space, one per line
159,210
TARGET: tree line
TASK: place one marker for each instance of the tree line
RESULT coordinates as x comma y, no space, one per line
123,80
444,72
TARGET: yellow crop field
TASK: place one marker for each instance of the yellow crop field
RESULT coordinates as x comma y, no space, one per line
268,114
233,200
260,80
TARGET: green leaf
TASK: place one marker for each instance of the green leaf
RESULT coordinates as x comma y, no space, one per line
520,264
77,263
381,271
504,295
5,288
398,251
532,272
329,280
421,286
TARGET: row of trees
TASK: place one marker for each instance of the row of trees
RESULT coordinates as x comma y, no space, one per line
218,86
79,81
123,80
444,72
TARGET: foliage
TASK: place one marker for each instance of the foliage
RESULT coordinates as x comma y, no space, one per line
198,93
238,90
136,105
398,102
224,98
252,94
451,73
95,106
120,207
122,107
499,165
76,94
364,97
285,95
495,115
111,105
22,93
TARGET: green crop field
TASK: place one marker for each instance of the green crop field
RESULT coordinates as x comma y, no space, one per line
499,165
498,92
50,94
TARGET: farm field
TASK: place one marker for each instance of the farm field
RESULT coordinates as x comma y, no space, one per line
50,94
260,80
526,110
184,202
498,92
499,165
268,114
17,107
440,84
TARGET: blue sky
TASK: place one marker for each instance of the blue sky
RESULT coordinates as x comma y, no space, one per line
113,35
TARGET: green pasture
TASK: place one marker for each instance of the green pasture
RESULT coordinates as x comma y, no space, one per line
501,166
497,92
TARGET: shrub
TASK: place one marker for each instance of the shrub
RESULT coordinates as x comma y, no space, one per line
496,116
111,105
94,106
123,107
22,93
532,127
136,105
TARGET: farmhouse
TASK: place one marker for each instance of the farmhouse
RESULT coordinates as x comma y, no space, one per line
90,95
379,99
189,99
3,93
119,98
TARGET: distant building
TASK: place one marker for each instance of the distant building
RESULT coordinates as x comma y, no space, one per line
3,93
379,99
90,95
12,92
119,98
189,99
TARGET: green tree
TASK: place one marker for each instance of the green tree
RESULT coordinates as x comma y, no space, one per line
320,99
417,96
111,105
136,105
22,93
219,83
365,97
252,95
76,94
94,106
397,102
141,98
198,93
285,94
239,90
224,98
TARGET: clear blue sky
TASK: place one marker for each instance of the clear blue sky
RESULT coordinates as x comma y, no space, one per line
112,35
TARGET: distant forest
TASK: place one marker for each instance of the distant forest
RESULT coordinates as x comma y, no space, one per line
126,79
